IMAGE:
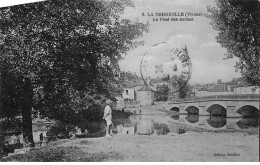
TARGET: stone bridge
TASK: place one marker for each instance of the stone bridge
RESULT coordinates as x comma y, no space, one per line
228,105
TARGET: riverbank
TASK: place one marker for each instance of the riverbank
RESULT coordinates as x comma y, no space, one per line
189,147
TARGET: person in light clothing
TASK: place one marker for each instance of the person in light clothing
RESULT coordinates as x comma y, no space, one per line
108,117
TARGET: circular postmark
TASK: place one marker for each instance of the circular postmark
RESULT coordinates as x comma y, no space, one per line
164,63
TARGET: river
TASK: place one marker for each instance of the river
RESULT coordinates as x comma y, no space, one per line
191,122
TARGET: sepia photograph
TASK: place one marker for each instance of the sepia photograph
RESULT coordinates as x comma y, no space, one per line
129,80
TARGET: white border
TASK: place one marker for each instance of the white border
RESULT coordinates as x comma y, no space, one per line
6,3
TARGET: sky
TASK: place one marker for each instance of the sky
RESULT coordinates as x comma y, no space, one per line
198,35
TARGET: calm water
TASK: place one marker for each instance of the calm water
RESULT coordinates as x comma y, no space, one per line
191,122
216,122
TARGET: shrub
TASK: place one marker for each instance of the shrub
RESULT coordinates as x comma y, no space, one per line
60,130
162,129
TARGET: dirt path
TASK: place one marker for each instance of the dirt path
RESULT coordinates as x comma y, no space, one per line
191,146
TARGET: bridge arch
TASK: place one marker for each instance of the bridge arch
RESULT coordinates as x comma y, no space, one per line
217,110
248,111
192,110
176,109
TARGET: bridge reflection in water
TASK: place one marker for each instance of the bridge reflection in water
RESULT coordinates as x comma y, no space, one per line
219,121
216,122
217,113
146,123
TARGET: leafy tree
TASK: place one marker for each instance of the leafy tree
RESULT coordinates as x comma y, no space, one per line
238,24
1,111
162,91
128,76
219,81
182,85
184,91
64,54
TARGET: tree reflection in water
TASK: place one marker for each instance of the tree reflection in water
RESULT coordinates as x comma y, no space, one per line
246,123
175,117
217,121
192,118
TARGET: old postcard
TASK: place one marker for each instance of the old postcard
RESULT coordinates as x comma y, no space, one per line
130,81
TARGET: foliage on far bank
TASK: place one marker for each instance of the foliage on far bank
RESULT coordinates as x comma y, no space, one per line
161,93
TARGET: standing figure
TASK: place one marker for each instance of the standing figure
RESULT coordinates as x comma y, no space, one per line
108,117
41,139
26,142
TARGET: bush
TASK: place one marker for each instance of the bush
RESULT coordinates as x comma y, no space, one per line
62,130
59,130
162,129
95,129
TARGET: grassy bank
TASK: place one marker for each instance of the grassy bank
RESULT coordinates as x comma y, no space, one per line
60,154
192,146
53,152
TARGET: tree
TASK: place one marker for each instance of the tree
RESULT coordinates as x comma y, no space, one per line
253,89
219,81
128,76
182,85
1,112
65,54
162,90
238,24
184,91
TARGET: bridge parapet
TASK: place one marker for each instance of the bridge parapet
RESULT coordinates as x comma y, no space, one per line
219,97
